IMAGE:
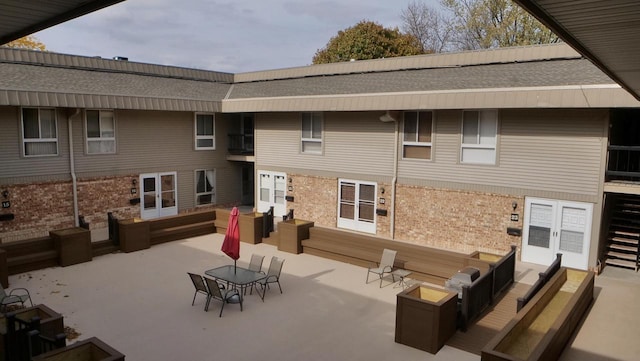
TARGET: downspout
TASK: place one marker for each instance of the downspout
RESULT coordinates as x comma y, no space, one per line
394,181
72,166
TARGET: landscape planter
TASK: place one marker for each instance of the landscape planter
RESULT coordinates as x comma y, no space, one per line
73,245
92,349
251,227
134,235
542,328
425,317
292,232
51,324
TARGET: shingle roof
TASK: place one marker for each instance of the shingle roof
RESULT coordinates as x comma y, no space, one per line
512,75
544,76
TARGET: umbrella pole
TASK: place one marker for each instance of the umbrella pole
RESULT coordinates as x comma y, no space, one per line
234,266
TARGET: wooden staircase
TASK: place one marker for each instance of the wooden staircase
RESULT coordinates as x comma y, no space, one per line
624,233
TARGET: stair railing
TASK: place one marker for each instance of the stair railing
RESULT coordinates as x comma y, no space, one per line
267,222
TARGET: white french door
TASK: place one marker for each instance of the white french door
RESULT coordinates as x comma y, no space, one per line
552,227
159,197
271,192
356,206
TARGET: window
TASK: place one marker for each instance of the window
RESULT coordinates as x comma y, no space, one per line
101,132
205,131
417,135
312,133
39,132
205,187
479,129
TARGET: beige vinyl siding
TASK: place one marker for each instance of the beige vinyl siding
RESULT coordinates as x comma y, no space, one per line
18,169
153,142
354,143
539,152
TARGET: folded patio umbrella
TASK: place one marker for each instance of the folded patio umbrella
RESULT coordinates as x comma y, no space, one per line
231,243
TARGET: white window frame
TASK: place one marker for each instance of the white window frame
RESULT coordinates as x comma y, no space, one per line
102,137
26,141
211,137
416,143
212,193
479,144
314,117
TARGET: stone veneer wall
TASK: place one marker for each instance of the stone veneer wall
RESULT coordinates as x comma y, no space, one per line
314,199
37,208
42,207
457,220
98,196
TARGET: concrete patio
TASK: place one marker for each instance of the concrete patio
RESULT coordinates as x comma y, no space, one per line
140,304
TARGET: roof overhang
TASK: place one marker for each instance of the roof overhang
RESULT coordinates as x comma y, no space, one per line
604,31
19,18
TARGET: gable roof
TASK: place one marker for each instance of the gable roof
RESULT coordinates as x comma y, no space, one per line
32,78
521,77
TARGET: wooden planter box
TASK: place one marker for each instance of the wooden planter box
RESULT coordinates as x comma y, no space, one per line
543,327
91,349
134,235
51,323
73,245
250,227
292,232
425,317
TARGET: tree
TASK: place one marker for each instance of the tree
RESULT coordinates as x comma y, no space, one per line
428,25
483,24
26,42
367,40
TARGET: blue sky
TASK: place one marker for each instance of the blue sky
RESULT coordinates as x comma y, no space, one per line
229,36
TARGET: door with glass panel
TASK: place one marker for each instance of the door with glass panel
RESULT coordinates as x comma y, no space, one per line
158,195
356,207
552,227
271,192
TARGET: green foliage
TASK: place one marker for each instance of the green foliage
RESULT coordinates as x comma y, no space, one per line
483,24
367,40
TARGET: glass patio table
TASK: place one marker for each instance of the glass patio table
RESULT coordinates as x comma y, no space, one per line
237,276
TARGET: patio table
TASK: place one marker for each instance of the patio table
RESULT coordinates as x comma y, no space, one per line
237,276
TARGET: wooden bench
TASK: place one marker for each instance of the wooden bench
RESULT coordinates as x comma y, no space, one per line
29,255
181,226
542,328
222,220
481,294
425,263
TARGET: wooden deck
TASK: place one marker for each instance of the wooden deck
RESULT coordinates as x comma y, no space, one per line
488,325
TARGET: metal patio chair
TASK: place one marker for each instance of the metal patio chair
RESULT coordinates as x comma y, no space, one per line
256,266
16,295
219,293
273,275
385,265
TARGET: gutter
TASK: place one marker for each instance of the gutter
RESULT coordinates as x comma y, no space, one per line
72,166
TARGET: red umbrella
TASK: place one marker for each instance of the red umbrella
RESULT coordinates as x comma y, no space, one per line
231,244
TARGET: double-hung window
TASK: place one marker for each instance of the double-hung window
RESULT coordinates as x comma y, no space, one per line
416,142
311,133
205,131
39,132
479,133
101,132
205,187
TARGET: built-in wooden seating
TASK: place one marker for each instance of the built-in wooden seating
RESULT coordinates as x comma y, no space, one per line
542,328
29,255
426,264
181,226
222,220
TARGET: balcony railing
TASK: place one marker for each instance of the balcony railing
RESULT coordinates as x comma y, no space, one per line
240,144
624,163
